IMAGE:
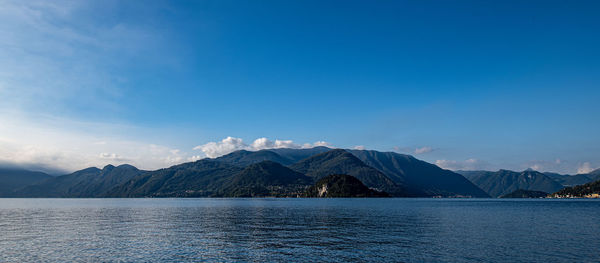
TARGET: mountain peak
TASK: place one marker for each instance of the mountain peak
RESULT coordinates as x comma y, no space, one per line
127,166
340,161
244,158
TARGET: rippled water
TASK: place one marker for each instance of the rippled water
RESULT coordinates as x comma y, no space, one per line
409,230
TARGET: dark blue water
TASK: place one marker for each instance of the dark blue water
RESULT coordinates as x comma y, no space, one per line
283,230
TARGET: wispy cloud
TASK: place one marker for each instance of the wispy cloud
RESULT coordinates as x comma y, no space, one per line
416,151
58,60
56,57
231,144
584,168
469,164
52,144
423,150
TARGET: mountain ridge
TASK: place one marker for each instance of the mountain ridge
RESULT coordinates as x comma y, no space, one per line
427,178
340,161
13,179
504,181
397,174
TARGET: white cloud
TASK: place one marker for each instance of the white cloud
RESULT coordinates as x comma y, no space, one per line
469,164
537,167
320,143
418,150
422,150
225,146
54,55
359,147
51,144
112,156
584,168
231,144
264,143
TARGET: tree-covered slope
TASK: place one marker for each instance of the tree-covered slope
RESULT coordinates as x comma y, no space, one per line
243,158
296,155
504,181
340,161
266,179
90,182
427,178
12,179
342,185
569,180
195,179
579,190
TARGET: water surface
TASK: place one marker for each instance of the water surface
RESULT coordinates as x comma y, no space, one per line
283,230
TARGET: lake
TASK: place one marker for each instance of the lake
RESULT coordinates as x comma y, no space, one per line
284,230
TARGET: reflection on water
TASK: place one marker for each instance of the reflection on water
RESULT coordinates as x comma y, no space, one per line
410,230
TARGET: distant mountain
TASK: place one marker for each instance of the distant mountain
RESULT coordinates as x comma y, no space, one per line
12,179
341,185
569,180
504,182
587,190
525,194
340,161
594,175
266,179
426,178
90,182
202,178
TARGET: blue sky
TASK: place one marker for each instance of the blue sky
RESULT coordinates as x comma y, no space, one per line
464,84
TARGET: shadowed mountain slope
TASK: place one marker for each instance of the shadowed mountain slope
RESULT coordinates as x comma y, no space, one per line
340,161
266,179
201,178
243,158
12,179
504,181
569,180
284,156
416,174
594,175
296,155
90,182
342,185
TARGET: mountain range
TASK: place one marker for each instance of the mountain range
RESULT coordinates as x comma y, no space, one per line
282,172
503,182
275,172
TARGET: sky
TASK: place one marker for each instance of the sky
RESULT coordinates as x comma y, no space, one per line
463,84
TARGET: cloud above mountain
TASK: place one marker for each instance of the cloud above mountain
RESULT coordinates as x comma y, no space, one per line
45,144
469,164
423,150
584,168
415,151
231,144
